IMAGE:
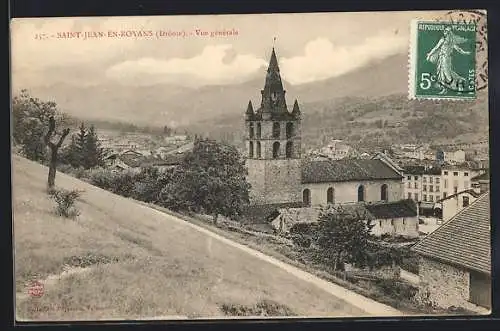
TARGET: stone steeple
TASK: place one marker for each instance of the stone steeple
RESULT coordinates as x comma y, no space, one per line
296,110
273,144
249,113
273,94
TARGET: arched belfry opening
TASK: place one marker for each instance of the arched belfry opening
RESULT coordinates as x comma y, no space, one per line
276,130
276,150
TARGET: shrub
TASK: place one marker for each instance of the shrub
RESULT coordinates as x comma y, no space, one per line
102,178
80,172
396,289
65,168
88,260
65,200
121,183
262,308
410,263
302,240
302,228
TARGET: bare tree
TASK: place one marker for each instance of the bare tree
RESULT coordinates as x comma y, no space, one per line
54,148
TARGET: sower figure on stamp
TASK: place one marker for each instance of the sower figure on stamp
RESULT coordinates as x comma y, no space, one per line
441,55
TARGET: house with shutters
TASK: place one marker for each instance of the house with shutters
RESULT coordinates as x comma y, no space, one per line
455,260
278,174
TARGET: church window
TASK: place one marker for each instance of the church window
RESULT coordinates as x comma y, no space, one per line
383,193
259,130
250,149
251,131
289,149
258,150
276,130
276,150
330,195
306,197
289,130
361,193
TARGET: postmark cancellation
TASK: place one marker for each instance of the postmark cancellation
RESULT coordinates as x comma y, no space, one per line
442,61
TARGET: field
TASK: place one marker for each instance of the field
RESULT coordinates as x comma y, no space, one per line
122,260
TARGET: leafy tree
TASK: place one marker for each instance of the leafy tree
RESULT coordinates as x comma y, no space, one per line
32,145
30,118
342,236
211,179
149,184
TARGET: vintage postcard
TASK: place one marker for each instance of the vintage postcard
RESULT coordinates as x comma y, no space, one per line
251,166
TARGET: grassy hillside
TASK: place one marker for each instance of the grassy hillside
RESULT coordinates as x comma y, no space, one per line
139,262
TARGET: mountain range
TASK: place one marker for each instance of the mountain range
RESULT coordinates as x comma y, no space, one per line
353,106
161,103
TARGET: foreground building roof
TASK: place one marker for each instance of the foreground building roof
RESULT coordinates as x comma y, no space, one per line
464,240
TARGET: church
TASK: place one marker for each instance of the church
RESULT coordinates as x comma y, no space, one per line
278,173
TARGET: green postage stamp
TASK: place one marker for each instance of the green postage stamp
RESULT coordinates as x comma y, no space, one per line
442,60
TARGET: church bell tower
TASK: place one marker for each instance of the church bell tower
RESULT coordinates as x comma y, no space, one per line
273,142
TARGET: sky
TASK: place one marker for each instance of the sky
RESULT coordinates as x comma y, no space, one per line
310,47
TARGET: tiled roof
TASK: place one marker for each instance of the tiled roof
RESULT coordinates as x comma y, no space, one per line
469,191
464,240
379,210
324,171
131,162
264,213
172,159
485,176
421,170
397,209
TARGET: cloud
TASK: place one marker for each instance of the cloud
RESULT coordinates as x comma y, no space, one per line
322,59
216,64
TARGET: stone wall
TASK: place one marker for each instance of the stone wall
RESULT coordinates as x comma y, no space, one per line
443,285
274,181
347,192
